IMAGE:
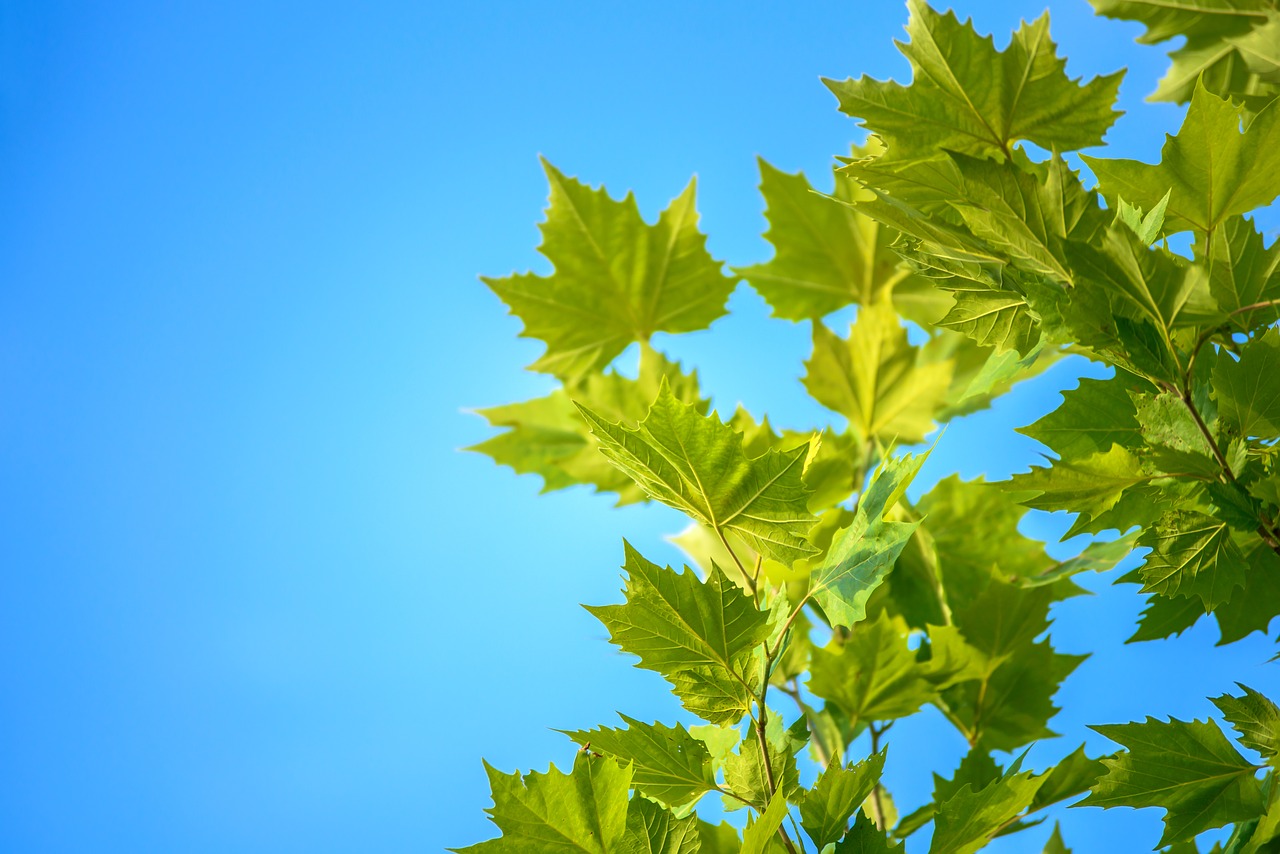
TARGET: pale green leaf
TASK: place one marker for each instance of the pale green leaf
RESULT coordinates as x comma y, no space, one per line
862,554
966,96
548,436
554,813
668,763
747,777
1211,168
654,830
826,255
700,635
759,833
616,280
876,379
696,463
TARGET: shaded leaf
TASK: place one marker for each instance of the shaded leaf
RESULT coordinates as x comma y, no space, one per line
1187,768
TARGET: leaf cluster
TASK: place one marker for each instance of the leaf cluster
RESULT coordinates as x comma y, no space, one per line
820,603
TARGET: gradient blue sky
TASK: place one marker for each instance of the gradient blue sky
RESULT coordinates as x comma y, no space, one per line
253,598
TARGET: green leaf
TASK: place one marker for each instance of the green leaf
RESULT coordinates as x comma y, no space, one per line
718,838
1093,416
826,255
617,279
1188,768
1142,283
654,830
547,435
862,554
865,838
1255,717
1252,607
1089,486
1055,845
1213,31
719,741
836,796
1248,390
968,97
758,834
1072,776
696,463
1211,169
668,763
1244,276
552,813
700,635
1167,616
998,319
746,776
969,818
875,378
1147,227
1192,554
1173,438
873,676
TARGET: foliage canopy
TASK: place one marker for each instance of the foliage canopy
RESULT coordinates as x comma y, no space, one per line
812,577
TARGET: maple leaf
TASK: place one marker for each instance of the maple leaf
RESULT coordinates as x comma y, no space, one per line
836,796
549,437
1192,554
698,634
1211,169
1255,717
654,830
1248,390
1225,40
668,763
876,379
1188,768
863,553
616,280
968,819
551,813
1244,276
968,97
826,255
873,675
696,463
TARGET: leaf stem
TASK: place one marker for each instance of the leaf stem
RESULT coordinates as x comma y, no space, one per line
877,804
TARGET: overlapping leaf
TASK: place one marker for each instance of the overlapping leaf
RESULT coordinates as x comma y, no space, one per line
876,379
700,635
1213,169
836,796
826,255
547,436
554,813
862,554
696,463
1187,768
668,764
968,819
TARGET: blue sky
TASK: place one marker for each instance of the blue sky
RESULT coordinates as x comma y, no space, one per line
254,599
